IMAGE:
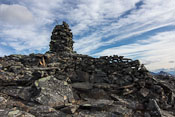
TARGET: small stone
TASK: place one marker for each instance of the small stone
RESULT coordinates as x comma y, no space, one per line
65,83
146,114
144,92
65,97
2,99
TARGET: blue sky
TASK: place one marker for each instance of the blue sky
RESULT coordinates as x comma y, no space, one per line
137,29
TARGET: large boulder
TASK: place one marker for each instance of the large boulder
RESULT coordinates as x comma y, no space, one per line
53,92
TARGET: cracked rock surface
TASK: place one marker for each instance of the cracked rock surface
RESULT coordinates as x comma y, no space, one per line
62,83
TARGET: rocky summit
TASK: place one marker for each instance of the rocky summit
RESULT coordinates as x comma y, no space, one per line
62,83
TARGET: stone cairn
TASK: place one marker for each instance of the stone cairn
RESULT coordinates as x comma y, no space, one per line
61,83
61,39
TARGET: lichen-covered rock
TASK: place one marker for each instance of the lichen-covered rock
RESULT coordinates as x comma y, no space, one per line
53,92
46,111
18,113
91,113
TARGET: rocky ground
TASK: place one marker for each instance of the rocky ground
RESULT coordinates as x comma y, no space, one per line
62,83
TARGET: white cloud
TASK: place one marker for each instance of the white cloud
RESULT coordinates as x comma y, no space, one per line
15,14
44,11
22,29
96,12
26,38
24,25
151,15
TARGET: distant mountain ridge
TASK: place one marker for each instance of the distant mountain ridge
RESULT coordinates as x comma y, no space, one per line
163,73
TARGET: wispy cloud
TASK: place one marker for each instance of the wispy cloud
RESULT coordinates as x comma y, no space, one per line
156,52
90,13
150,16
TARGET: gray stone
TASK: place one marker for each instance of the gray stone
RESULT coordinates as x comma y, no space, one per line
24,93
121,110
4,113
18,113
154,108
99,103
86,113
82,86
46,111
144,92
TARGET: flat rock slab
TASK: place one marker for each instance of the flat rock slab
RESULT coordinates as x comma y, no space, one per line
82,85
14,113
24,93
100,103
86,113
46,111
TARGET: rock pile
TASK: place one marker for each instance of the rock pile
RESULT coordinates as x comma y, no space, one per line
61,39
62,83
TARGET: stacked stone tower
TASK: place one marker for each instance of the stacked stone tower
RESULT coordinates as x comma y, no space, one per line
61,39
